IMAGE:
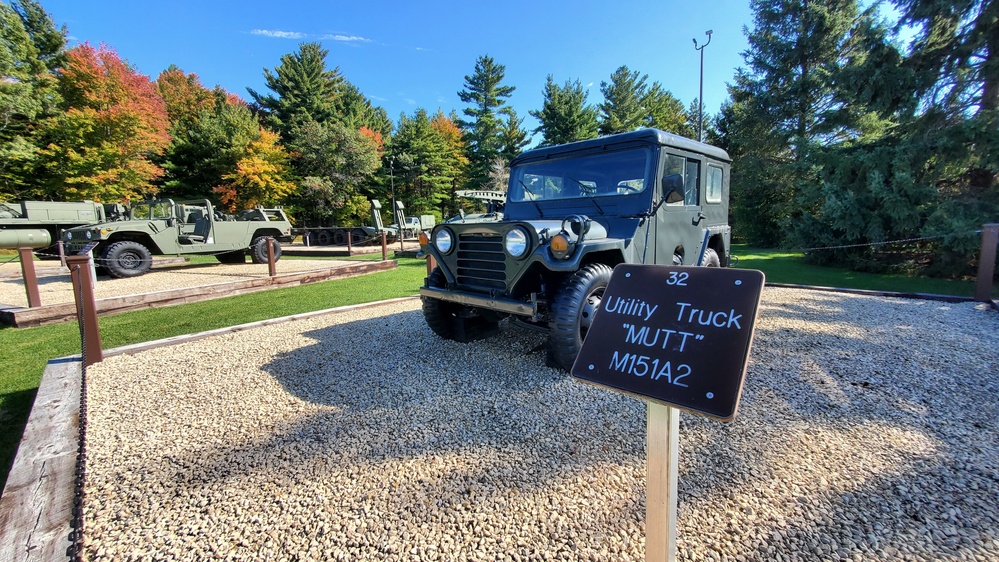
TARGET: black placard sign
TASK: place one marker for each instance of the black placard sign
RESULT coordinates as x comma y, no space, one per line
676,335
86,248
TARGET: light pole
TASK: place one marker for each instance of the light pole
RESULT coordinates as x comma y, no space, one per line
700,95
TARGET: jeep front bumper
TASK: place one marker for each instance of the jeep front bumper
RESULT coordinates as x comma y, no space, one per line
500,304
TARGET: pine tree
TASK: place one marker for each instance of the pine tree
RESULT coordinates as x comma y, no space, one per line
486,95
623,107
565,116
665,112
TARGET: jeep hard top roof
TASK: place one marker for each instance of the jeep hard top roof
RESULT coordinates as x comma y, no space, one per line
647,136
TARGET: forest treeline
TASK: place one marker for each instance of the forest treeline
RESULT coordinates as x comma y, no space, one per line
842,135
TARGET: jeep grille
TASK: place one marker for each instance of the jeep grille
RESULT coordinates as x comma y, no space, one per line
481,261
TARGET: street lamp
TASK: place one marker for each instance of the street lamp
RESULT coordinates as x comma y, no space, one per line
700,95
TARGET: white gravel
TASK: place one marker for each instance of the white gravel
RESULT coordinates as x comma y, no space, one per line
867,431
55,284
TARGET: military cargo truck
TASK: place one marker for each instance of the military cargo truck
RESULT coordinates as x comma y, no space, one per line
166,227
572,213
38,224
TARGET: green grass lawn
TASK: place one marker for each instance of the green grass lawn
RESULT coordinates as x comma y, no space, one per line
781,266
27,350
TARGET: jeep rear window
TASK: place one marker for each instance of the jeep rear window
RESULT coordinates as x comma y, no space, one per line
622,172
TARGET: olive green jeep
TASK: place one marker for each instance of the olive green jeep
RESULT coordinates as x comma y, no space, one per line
165,227
572,213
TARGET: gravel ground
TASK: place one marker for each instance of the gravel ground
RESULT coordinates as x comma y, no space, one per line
55,286
867,431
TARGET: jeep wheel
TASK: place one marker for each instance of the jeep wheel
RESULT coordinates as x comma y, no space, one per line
452,321
572,313
239,256
258,250
127,259
711,258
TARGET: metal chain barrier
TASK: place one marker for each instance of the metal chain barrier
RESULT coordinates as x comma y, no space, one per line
886,242
75,550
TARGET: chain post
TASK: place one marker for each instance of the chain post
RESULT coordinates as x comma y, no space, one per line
30,279
431,264
384,246
61,250
271,266
987,262
350,235
86,306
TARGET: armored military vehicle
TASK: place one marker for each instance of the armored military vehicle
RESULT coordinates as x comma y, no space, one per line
38,224
572,213
166,227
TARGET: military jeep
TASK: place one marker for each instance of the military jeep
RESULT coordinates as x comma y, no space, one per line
572,213
165,227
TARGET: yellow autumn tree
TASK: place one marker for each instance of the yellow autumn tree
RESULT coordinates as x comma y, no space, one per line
260,178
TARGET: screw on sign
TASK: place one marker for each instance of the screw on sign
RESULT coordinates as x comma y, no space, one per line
679,337
675,335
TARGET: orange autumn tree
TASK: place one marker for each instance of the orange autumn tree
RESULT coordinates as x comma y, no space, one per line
183,95
113,123
260,177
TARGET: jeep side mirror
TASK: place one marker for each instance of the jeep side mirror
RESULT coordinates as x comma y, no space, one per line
171,222
673,188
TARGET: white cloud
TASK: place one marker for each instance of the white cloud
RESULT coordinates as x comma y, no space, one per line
278,34
348,38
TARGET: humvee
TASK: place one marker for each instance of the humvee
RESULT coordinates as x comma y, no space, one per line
165,227
572,213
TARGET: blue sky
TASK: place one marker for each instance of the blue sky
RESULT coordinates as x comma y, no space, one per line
409,55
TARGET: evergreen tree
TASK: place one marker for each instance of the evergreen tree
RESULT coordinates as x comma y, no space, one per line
304,91
513,137
30,50
486,95
665,112
623,107
565,116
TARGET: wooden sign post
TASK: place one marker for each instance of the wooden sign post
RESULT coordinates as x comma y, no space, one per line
679,338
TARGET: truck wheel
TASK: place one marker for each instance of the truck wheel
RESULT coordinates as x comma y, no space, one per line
239,256
127,259
357,236
572,313
258,250
340,238
711,258
324,238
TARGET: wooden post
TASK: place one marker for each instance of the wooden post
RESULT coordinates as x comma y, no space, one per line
349,236
384,246
86,306
987,263
30,279
662,456
62,253
431,264
271,266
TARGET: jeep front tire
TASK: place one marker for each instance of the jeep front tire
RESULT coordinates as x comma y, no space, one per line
127,259
572,313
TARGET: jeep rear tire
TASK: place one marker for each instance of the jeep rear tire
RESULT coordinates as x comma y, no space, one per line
127,259
572,313
711,258
258,250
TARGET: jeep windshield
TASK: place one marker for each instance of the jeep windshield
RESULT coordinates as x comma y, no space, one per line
602,174
152,210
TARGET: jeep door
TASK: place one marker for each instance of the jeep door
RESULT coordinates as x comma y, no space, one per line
680,227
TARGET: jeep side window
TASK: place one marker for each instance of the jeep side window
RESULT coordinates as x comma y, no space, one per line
675,165
714,194
692,182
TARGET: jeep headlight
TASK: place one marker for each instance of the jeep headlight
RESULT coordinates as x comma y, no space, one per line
89,235
443,240
515,242
69,236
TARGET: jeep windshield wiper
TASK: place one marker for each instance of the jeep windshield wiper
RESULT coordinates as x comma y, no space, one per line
589,191
532,200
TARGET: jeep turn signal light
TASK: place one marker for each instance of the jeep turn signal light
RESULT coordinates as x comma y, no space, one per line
424,239
560,246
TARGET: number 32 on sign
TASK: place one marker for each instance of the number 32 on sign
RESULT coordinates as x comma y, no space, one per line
679,336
